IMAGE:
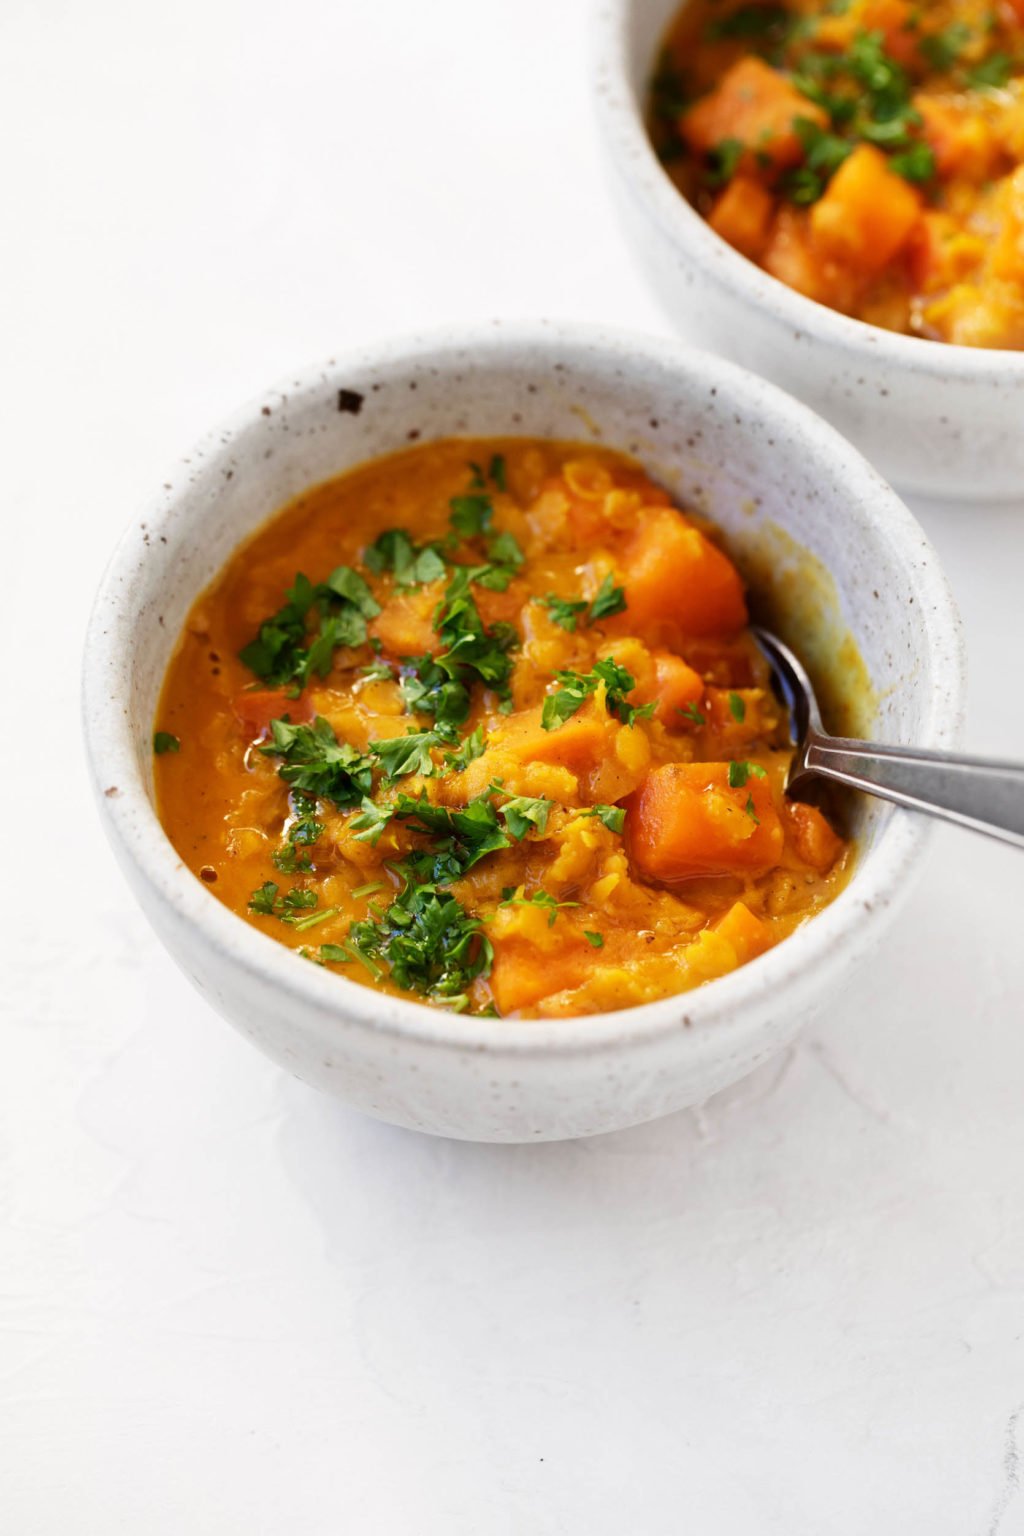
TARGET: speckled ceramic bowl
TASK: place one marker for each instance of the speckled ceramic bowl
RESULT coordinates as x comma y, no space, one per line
787,491
941,420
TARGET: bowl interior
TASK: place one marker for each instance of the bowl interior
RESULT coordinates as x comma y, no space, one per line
842,567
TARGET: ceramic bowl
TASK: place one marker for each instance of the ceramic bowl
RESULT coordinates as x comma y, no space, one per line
940,420
779,482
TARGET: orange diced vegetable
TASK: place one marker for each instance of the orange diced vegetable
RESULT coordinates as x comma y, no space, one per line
963,142
405,625
789,255
521,975
754,105
813,838
686,820
678,685
747,934
1008,255
676,577
940,252
258,706
866,214
743,215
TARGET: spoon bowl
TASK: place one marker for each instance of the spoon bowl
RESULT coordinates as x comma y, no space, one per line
974,792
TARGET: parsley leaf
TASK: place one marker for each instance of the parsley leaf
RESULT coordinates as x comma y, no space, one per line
428,942
577,687
609,600
524,813
737,707
301,638
470,748
163,742
513,898
915,164
411,564
288,908
992,73
739,773
596,940
402,755
564,611
613,816
471,515
316,762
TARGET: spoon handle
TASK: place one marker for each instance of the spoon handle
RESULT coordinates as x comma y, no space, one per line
971,791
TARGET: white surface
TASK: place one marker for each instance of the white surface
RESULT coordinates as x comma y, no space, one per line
228,1305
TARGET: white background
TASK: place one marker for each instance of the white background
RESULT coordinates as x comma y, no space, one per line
230,1306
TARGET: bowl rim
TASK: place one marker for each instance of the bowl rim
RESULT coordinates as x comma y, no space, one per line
621,117
718,1016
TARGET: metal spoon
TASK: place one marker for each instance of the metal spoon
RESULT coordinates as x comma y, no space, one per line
971,791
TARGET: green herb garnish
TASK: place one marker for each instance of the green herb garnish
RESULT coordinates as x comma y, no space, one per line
739,773
301,638
163,742
613,816
577,687
317,763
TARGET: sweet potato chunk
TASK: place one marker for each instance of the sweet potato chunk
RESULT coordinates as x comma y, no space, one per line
685,820
743,216
963,142
754,105
405,625
521,975
256,708
676,577
747,934
866,214
813,839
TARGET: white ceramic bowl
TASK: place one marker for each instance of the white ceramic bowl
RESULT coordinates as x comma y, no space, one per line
941,420
713,434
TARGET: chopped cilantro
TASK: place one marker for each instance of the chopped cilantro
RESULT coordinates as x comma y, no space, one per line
471,515
610,599
513,898
268,902
724,161
301,638
739,773
402,755
942,49
992,73
737,707
577,687
371,821
316,762
163,742
596,940
915,164
428,943
564,611
470,748
751,812
613,816
524,814
411,564
692,713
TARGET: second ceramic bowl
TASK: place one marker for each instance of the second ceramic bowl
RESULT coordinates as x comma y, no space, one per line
813,525
940,420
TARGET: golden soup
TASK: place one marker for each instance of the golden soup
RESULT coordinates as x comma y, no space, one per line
870,154
482,723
